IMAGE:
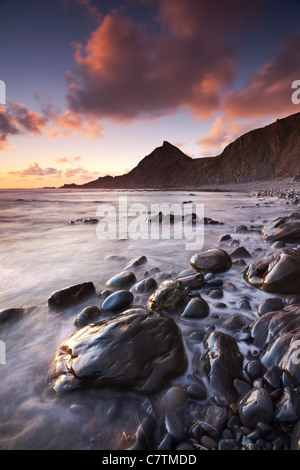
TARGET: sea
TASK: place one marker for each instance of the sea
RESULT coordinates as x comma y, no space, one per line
49,239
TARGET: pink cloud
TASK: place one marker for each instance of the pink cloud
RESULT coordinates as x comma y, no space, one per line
34,169
221,134
268,91
126,71
16,119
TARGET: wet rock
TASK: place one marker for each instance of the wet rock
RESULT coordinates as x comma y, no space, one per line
10,314
273,376
241,387
173,399
145,286
278,333
196,392
104,294
227,444
254,369
236,322
89,220
292,299
225,238
270,305
288,408
278,245
117,302
245,305
138,350
211,260
255,406
170,297
166,443
240,252
217,417
144,434
196,308
209,443
122,280
87,315
223,363
136,262
286,229
216,293
220,305
240,228
295,437
278,272
193,281
174,427
71,295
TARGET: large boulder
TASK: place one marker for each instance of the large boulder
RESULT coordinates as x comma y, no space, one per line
286,229
278,335
279,272
213,260
223,363
138,350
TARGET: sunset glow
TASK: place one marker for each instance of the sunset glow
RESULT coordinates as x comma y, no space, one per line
94,86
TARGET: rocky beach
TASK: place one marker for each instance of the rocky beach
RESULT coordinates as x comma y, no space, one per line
169,350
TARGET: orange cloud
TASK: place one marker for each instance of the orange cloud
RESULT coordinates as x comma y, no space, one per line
221,134
126,71
70,123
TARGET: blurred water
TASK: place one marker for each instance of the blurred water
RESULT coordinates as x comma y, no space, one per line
39,253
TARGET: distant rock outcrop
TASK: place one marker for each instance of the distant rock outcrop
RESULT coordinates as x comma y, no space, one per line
262,154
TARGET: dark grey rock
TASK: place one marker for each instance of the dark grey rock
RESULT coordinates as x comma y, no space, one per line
146,286
117,302
223,363
255,406
216,293
87,315
270,305
136,262
278,333
211,260
273,376
166,443
288,408
227,444
10,314
122,280
192,281
240,252
240,228
286,229
279,272
196,392
71,295
174,426
170,297
254,369
196,308
241,387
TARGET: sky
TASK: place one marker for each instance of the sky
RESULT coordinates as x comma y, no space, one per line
93,86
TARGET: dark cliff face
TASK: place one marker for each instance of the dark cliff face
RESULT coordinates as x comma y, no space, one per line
262,154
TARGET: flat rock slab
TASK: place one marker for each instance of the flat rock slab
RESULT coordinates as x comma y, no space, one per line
137,350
